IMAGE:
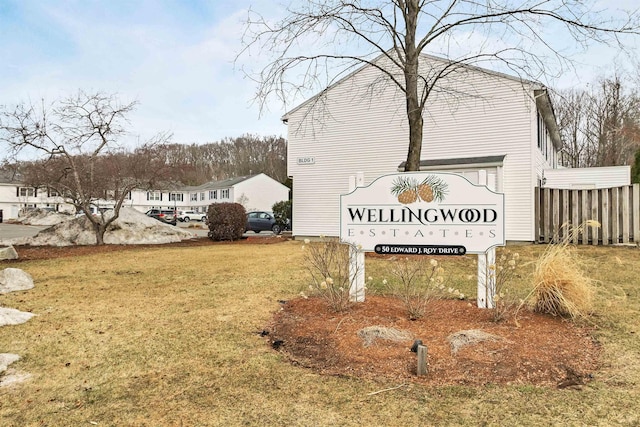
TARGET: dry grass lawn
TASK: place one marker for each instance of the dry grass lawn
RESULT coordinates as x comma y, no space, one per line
170,337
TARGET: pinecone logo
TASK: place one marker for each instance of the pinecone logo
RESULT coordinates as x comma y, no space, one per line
409,190
425,192
407,197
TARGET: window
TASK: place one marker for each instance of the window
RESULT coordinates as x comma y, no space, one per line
154,195
194,197
26,192
213,194
53,193
175,197
543,138
224,194
201,196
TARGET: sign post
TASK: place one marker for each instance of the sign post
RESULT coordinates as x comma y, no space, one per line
419,213
356,255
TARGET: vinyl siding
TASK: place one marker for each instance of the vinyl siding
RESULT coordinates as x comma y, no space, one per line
366,131
601,177
260,193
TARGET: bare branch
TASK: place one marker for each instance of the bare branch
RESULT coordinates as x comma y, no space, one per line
321,41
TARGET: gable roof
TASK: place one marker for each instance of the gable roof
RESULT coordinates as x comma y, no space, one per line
286,115
540,93
216,185
485,161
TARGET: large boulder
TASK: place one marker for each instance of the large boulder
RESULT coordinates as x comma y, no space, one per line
14,279
8,252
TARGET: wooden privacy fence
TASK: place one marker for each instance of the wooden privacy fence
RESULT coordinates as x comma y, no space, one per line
616,209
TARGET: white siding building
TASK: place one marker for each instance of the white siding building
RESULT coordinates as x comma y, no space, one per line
587,178
476,120
254,192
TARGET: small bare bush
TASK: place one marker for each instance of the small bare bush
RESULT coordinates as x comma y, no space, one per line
560,286
417,282
503,272
328,264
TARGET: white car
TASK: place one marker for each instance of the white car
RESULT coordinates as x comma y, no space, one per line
187,216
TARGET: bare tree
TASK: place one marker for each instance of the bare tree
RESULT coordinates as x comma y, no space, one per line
244,155
77,139
600,126
524,36
573,114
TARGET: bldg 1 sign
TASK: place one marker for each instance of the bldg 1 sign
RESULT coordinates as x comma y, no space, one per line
409,213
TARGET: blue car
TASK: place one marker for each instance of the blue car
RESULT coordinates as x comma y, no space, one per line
262,221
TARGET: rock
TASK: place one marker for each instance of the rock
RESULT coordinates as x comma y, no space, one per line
14,279
11,316
8,252
461,339
371,333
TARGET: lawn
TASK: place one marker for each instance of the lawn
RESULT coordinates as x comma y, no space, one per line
169,336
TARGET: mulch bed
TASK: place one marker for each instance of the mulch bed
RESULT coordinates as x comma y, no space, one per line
540,350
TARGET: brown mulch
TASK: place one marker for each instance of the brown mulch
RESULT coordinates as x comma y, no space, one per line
539,350
28,253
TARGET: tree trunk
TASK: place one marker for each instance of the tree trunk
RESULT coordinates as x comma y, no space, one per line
100,229
414,109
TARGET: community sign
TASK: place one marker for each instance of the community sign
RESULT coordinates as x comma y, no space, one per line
419,213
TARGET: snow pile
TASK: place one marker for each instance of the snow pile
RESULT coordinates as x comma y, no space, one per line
132,227
11,316
14,279
43,217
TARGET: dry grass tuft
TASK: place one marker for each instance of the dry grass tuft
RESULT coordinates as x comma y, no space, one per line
560,286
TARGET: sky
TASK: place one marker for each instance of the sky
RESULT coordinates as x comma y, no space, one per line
174,57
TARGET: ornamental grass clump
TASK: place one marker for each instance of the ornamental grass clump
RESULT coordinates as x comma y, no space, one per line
327,262
560,286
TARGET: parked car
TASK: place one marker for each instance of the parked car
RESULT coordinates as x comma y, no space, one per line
262,221
166,216
187,216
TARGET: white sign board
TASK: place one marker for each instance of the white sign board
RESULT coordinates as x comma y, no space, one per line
306,160
424,214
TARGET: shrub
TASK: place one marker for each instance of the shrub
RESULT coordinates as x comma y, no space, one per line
227,221
503,272
327,262
282,213
416,282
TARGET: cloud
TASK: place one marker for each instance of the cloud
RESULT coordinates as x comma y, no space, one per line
177,63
